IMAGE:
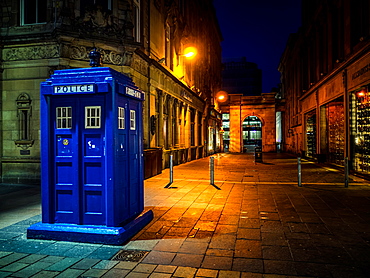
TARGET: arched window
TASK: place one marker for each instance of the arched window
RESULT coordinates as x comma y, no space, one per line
252,133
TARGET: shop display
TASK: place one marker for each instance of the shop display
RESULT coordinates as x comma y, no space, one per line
311,136
335,118
362,130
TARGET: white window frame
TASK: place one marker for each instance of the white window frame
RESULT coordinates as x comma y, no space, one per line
132,120
67,118
22,10
89,117
121,118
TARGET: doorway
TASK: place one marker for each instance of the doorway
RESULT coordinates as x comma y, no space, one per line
252,133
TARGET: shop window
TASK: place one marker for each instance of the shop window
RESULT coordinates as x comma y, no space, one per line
311,135
360,129
226,127
121,118
336,131
92,116
33,11
24,114
132,119
64,117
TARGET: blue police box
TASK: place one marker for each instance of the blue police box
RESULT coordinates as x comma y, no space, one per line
91,158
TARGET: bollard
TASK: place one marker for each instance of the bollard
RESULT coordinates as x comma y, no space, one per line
346,172
171,172
299,172
212,172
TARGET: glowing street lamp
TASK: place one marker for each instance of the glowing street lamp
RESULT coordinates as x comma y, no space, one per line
221,96
190,52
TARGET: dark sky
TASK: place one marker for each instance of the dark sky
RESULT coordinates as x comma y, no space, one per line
258,30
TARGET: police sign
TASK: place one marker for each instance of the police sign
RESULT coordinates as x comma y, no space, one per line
134,93
78,88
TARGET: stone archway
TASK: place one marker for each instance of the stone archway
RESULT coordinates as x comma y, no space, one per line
252,133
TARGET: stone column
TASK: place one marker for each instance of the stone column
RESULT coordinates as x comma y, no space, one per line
160,119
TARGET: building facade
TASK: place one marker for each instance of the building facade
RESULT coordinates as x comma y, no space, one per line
143,39
325,74
248,122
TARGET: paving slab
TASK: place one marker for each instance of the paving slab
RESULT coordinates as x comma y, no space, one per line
259,224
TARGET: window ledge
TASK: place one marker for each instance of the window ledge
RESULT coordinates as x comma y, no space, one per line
24,144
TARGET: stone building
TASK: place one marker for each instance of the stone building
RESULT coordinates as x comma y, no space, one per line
325,73
145,40
250,121
249,117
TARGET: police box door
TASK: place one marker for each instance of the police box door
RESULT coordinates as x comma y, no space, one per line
79,129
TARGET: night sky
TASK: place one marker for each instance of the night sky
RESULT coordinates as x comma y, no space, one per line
259,31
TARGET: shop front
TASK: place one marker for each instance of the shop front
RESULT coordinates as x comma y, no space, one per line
334,114
360,129
311,135
358,82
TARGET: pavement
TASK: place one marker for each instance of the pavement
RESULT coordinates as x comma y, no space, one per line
253,221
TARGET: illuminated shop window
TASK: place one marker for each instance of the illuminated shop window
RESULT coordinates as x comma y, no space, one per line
226,126
64,117
121,118
132,119
92,116
33,11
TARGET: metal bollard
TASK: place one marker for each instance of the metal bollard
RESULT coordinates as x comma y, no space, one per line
346,172
299,172
212,172
171,172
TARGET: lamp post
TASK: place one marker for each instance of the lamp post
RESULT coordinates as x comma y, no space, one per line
222,97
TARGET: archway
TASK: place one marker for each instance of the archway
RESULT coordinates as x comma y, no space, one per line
252,133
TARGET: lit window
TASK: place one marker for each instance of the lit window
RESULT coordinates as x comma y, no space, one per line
132,119
33,11
92,116
64,117
225,116
136,11
121,118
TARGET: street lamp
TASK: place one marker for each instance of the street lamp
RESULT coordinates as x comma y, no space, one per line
190,52
222,96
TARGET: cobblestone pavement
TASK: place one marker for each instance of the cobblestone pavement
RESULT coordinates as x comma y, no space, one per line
260,223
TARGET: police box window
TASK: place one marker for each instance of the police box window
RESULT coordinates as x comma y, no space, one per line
33,11
132,119
92,116
64,117
121,118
